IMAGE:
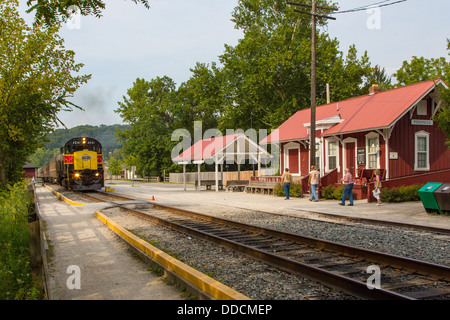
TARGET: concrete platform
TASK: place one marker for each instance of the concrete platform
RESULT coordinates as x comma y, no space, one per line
82,245
174,194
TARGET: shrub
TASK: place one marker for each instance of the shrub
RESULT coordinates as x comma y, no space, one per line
15,270
278,190
295,191
328,192
333,193
401,194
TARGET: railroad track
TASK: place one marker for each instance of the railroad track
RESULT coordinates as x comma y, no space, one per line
333,217
338,266
367,221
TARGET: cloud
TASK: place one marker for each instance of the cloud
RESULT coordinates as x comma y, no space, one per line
130,41
98,107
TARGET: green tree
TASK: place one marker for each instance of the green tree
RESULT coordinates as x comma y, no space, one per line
268,73
114,166
42,155
380,77
117,153
443,115
201,98
149,111
37,77
422,69
348,77
51,12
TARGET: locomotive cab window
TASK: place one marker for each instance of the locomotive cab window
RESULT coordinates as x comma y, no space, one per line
81,144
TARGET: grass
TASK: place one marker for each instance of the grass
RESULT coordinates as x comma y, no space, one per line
15,270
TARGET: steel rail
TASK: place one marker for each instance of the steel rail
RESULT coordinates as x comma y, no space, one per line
334,280
348,285
336,217
421,267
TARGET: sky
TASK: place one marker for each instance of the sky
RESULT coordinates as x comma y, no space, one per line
168,39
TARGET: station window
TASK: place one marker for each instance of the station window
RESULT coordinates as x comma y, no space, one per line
372,149
422,151
332,155
318,155
422,108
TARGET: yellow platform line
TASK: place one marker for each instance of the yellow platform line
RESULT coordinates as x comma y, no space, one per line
198,279
63,197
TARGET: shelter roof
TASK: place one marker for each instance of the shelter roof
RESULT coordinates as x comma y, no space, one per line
230,147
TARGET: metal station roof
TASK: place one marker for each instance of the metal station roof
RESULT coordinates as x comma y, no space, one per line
371,111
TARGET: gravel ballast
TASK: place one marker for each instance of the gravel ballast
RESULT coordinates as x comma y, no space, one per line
260,281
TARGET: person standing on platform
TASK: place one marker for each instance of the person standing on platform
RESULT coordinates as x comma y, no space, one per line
348,190
286,180
377,185
313,182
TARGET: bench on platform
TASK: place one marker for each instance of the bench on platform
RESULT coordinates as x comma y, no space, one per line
261,187
236,185
209,183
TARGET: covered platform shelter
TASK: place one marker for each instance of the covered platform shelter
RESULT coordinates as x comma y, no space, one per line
234,148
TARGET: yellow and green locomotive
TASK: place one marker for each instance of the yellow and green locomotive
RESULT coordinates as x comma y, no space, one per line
78,166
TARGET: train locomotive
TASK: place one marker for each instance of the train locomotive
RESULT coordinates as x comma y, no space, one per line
78,166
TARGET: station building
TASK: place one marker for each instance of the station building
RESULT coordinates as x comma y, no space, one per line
390,130
29,170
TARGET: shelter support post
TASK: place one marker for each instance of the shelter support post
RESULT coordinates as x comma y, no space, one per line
259,164
198,177
217,175
184,176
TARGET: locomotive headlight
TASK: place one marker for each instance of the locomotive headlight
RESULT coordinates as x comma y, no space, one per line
97,174
77,175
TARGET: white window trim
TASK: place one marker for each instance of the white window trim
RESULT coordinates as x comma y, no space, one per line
327,162
291,146
320,164
427,136
372,135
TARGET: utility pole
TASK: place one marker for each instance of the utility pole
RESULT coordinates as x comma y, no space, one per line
312,127
314,15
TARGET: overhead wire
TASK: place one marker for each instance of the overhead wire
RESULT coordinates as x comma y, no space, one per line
364,7
370,6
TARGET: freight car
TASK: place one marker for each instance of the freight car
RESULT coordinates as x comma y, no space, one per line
78,166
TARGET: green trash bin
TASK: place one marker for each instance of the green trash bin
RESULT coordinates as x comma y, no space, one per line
426,194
